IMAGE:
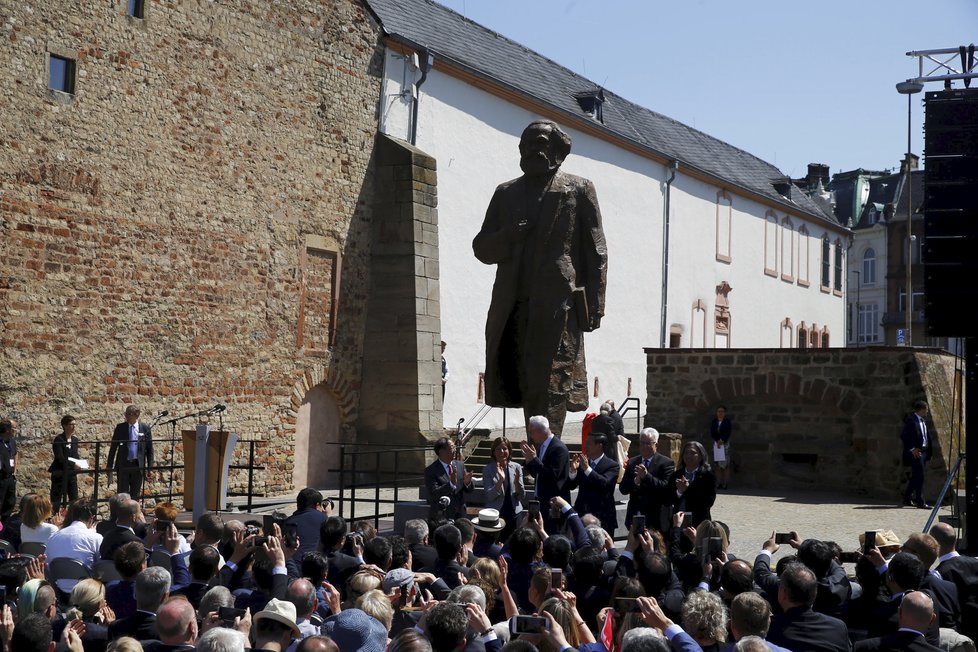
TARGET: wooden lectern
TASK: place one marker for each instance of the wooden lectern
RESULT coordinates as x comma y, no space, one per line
206,459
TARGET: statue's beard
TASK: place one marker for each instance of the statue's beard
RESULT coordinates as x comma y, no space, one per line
537,164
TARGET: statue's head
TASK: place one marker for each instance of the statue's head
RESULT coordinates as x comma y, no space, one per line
543,147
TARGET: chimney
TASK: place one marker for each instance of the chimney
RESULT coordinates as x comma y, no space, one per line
914,162
818,172
782,187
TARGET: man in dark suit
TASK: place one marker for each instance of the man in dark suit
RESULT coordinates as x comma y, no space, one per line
548,461
442,481
918,445
122,533
8,467
203,563
332,535
416,538
64,480
799,627
945,593
646,483
963,572
448,543
596,476
131,453
307,518
915,616
152,588
176,624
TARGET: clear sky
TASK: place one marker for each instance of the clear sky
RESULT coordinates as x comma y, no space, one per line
791,82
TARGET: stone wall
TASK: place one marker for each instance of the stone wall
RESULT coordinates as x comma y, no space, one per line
192,225
827,419
401,400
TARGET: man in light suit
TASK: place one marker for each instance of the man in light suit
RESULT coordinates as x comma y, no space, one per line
918,445
441,479
131,453
596,475
646,482
547,460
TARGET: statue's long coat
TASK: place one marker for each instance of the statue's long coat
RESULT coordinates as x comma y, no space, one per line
570,252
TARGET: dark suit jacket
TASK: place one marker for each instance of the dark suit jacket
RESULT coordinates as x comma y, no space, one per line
905,640
802,630
649,496
120,439
447,571
62,450
945,598
963,571
193,592
833,591
912,437
721,430
597,492
341,567
422,556
438,484
551,473
114,538
307,523
141,626
698,497
6,456
121,596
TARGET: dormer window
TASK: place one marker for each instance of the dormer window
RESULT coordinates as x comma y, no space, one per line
871,216
591,103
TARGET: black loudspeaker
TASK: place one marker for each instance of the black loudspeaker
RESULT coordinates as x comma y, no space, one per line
951,212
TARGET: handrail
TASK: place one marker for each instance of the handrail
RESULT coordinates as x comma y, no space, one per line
360,463
940,498
626,407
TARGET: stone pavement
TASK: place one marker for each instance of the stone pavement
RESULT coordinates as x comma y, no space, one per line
753,514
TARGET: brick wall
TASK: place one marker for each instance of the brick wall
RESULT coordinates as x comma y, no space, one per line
156,227
826,419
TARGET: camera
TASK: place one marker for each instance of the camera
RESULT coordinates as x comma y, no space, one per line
528,625
782,538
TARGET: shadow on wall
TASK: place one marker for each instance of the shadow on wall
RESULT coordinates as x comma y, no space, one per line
317,422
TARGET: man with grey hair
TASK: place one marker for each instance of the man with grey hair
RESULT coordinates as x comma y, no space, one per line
131,453
643,639
646,483
115,502
176,624
152,588
127,515
416,538
214,599
222,639
548,461
302,594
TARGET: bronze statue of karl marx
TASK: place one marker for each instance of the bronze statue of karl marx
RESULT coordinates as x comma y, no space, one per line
543,233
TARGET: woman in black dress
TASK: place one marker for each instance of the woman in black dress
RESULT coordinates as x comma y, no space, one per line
695,486
64,480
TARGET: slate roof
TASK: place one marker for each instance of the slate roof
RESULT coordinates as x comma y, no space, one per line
451,37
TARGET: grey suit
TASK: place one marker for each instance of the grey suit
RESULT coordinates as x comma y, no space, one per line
494,499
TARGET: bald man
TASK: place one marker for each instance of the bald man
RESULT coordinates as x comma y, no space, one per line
317,644
176,624
916,615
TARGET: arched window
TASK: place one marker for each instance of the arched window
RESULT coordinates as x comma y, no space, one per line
825,337
814,341
869,267
838,267
697,330
802,336
787,333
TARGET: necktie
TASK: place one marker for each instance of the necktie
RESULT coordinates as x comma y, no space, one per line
132,442
594,463
647,464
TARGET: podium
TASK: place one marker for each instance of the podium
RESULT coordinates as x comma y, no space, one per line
206,460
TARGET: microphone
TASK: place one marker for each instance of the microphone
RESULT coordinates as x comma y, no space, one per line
164,413
444,502
218,408
460,422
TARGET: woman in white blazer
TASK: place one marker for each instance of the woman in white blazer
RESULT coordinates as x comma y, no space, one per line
502,480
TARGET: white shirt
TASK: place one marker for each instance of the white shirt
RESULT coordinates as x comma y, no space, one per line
75,541
39,534
923,430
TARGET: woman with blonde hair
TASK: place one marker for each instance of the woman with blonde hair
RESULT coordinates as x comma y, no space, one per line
374,603
359,584
35,511
566,616
709,545
87,603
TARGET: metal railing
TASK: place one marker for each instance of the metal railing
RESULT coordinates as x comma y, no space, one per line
169,468
629,404
382,465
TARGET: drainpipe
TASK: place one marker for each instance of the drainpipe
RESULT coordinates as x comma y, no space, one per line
673,167
427,60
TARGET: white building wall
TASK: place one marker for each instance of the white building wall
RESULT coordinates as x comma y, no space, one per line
474,136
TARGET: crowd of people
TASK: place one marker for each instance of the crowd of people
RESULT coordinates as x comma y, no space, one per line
531,571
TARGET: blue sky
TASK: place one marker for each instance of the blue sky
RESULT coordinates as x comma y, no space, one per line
791,82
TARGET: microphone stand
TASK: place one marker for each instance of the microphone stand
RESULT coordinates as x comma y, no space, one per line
173,445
